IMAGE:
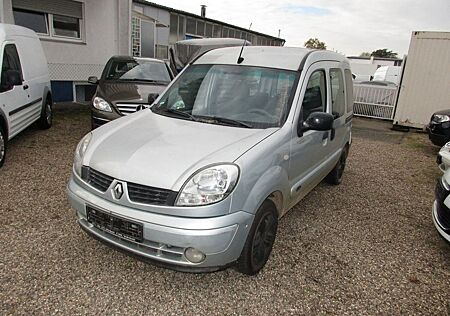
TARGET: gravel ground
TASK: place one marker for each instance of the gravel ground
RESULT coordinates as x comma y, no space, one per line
367,246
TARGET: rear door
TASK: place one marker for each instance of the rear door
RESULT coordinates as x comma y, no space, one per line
14,99
342,118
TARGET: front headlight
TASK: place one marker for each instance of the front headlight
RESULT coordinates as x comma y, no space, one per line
101,104
208,186
441,118
79,153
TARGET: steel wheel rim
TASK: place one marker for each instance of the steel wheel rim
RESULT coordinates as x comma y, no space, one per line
263,241
2,147
48,110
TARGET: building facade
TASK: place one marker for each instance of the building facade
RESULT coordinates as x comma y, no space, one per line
79,36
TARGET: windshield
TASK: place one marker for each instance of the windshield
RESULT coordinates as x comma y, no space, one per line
135,69
251,96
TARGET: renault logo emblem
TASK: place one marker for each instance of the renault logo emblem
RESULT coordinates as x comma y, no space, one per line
118,190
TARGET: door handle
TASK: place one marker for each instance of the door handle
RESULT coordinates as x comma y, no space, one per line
25,87
324,135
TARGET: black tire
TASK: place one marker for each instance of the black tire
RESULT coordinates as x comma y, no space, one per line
46,119
3,141
335,176
260,239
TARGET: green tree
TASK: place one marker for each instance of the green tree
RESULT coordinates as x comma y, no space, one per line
365,54
384,53
315,44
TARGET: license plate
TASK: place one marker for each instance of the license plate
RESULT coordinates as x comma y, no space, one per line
115,225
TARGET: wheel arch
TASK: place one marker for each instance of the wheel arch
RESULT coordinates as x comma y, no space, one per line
4,123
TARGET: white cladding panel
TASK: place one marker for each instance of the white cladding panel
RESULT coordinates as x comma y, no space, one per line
425,86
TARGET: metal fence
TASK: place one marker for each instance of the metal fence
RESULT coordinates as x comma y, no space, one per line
374,101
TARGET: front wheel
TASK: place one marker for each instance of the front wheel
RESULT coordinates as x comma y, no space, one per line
335,176
46,119
3,141
260,239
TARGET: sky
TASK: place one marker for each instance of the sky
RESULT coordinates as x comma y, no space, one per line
347,26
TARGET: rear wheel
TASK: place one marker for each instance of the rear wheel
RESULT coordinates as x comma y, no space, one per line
2,146
260,239
46,119
335,176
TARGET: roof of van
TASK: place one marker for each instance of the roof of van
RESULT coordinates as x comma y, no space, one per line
290,58
7,30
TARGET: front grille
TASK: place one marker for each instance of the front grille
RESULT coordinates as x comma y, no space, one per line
97,179
443,212
149,195
115,225
129,108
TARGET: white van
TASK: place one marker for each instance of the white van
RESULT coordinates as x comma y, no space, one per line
25,94
388,73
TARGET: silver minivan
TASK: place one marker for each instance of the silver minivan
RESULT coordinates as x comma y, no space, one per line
200,180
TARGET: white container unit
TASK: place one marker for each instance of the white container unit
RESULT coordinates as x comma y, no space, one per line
425,84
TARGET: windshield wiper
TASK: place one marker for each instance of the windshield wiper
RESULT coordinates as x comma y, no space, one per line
228,121
179,113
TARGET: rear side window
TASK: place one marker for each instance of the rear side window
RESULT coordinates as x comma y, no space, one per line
315,98
337,92
349,86
10,61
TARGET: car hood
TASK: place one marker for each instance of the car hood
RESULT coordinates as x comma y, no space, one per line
117,92
442,112
159,151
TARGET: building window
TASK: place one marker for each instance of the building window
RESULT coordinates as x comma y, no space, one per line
217,30
136,36
173,33
191,26
162,52
66,26
200,28
50,19
33,20
208,30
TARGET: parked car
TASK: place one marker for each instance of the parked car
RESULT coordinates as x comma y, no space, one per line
443,157
199,181
441,206
439,128
25,92
128,84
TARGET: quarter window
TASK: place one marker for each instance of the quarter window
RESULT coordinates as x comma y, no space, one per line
337,92
315,98
349,89
10,61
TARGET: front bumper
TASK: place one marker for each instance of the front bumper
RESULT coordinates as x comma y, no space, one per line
99,118
166,238
438,225
438,135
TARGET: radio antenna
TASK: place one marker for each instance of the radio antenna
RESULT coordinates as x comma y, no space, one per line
240,58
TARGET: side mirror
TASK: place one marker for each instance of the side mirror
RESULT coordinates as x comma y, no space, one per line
13,78
317,121
152,97
93,80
